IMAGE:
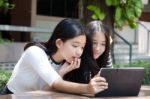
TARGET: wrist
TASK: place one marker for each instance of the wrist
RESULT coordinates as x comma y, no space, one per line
61,74
90,90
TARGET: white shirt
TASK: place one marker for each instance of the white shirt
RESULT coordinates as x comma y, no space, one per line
33,71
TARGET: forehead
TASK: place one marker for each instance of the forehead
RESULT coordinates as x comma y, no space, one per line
78,39
99,36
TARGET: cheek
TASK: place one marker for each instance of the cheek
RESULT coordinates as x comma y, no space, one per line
96,53
103,49
94,49
68,54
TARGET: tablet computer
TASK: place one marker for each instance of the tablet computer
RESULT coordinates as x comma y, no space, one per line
122,81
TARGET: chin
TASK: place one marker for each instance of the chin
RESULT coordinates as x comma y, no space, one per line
96,57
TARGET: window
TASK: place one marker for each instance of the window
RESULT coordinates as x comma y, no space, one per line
60,8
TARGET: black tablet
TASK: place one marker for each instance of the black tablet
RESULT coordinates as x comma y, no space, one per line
122,81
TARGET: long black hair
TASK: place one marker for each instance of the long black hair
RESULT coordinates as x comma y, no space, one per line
65,30
89,66
97,27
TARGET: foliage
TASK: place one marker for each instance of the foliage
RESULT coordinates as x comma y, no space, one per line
141,63
5,5
97,13
126,12
4,77
2,41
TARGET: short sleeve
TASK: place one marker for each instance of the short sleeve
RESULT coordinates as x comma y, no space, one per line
37,58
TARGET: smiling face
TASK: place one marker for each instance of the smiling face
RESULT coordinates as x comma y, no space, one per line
72,48
99,44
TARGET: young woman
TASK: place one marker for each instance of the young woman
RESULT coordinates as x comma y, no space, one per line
99,36
96,53
42,64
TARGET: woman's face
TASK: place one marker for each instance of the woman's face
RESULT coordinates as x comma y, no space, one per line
72,48
99,44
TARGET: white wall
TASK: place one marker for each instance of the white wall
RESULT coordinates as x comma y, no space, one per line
145,1
143,38
128,34
47,23
11,52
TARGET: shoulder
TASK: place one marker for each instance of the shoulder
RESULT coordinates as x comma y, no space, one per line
34,53
34,50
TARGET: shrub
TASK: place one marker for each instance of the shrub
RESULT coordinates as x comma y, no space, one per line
4,77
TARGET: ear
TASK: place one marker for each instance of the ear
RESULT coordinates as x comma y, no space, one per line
59,43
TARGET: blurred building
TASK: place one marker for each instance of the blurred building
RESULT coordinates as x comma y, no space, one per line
46,14
38,13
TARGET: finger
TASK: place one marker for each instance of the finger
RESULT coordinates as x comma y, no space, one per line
102,87
100,90
98,74
74,62
71,64
102,84
78,63
99,83
101,79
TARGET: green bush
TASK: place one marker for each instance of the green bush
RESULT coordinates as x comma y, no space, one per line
4,77
141,63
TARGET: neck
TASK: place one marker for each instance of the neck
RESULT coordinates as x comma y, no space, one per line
57,58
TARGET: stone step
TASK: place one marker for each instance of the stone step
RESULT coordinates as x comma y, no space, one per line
127,61
121,54
125,48
127,54
139,56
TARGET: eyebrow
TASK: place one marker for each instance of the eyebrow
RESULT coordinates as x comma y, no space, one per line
96,40
78,42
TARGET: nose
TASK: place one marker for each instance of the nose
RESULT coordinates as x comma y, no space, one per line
97,47
79,52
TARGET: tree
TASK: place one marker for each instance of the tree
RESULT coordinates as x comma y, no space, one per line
120,12
5,5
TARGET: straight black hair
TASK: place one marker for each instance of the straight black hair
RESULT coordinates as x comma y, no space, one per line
97,27
65,30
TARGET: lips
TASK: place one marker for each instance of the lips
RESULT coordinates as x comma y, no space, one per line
96,53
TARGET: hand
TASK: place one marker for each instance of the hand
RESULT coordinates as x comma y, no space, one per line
97,84
67,67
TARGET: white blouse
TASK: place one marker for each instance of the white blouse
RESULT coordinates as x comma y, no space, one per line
33,71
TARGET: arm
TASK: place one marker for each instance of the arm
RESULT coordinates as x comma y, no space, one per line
70,87
96,84
44,69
